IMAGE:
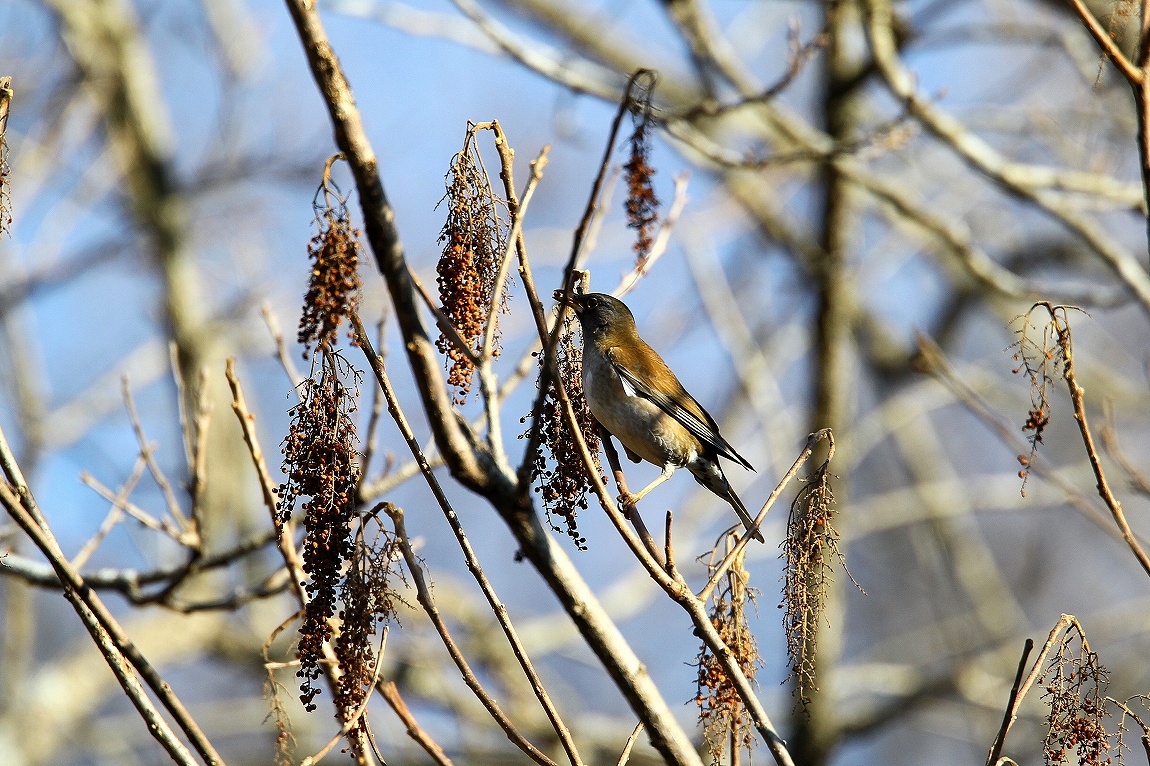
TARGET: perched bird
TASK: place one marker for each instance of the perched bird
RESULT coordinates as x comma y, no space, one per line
638,400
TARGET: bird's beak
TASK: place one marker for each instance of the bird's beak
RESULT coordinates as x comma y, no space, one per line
578,301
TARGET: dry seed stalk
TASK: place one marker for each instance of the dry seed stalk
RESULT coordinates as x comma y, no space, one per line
642,205
1075,687
1041,357
368,600
333,288
721,710
5,171
809,549
474,240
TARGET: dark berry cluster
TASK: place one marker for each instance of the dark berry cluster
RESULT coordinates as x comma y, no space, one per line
563,488
320,460
333,287
473,241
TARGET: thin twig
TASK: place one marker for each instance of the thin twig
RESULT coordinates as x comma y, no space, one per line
200,423
371,437
518,213
130,582
146,452
1138,720
269,489
181,402
165,526
1138,480
1077,396
286,361
1018,692
1106,42
423,595
626,754
629,509
390,692
1011,705
115,513
446,326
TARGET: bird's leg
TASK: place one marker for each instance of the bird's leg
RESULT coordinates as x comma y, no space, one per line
631,501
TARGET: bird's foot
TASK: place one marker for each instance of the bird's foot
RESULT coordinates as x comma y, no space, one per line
627,502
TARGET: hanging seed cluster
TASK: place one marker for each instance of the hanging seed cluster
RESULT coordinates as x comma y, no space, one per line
564,487
1074,685
474,240
1041,357
320,461
721,711
333,288
642,205
810,547
5,171
368,600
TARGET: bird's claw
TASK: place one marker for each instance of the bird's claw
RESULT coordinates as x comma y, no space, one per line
627,502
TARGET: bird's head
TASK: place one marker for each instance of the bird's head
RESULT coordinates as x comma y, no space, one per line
602,316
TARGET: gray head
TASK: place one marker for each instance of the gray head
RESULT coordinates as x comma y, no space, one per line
602,316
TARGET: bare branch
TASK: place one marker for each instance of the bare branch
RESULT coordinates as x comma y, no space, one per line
390,692
1010,715
105,630
423,594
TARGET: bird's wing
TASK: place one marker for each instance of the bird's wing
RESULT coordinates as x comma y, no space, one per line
644,374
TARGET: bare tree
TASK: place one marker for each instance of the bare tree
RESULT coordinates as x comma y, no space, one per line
877,225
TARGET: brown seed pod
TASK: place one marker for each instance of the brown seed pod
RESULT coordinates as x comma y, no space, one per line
333,288
321,464
474,239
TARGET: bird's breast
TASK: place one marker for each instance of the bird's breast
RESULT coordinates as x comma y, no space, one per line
637,422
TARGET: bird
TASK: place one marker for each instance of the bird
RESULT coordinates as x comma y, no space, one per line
637,399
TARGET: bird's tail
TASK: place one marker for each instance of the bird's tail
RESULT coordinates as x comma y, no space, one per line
710,474
746,518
